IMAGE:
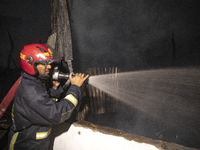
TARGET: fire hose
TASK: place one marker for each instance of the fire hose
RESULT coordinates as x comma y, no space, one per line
9,97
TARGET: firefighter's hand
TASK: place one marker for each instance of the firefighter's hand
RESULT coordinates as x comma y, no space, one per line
55,84
78,79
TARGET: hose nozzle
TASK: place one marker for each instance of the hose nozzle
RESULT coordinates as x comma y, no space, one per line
57,75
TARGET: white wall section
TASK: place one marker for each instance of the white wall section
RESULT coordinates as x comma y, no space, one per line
86,136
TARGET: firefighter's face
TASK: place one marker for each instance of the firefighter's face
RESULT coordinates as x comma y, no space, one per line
44,70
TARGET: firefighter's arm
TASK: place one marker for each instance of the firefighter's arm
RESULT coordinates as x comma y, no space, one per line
46,111
74,93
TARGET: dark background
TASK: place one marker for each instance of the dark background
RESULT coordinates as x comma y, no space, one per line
130,34
135,34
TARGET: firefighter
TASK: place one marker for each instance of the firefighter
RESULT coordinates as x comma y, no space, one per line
35,109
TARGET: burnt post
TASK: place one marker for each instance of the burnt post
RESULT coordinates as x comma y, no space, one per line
60,25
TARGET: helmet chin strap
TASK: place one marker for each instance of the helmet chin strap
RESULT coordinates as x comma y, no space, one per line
36,70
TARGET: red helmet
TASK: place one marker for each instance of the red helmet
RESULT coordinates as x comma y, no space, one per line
32,54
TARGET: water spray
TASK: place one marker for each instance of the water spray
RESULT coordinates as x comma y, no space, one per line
169,95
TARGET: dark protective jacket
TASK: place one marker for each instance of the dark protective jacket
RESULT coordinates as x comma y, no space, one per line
35,111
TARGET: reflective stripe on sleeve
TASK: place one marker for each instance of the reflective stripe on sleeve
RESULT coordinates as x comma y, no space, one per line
42,135
72,99
13,140
12,114
55,99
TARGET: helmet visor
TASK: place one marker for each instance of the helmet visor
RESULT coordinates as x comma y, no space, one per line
45,62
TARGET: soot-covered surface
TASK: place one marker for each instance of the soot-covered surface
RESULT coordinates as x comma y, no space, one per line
136,122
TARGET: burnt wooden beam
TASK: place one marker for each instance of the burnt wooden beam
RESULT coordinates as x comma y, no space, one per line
60,24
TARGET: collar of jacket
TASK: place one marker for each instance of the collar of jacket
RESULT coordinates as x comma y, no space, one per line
39,80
